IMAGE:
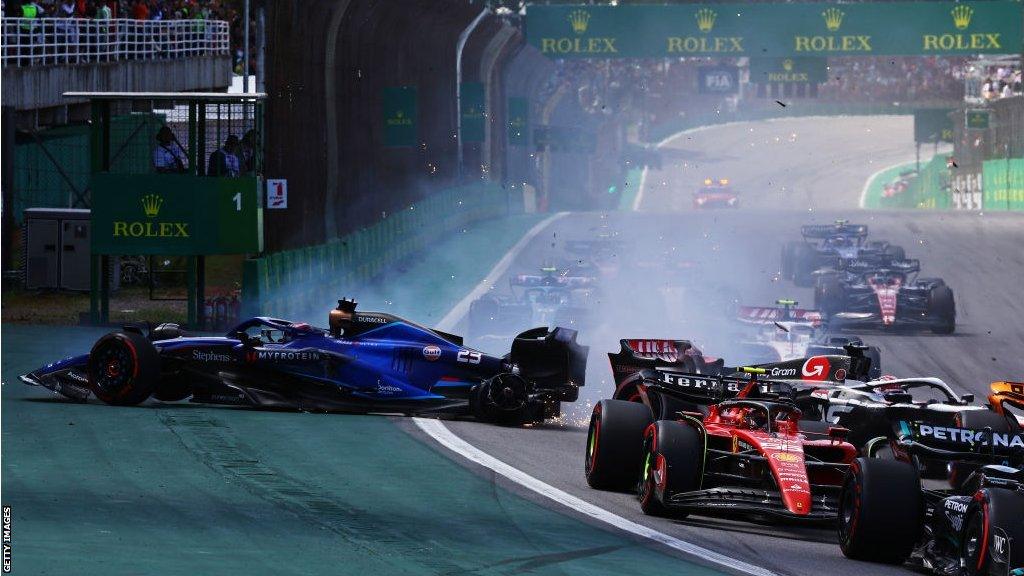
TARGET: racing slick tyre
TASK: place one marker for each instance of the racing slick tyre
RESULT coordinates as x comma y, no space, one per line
804,264
896,252
993,533
615,444
673,457
942,306
880,510
123,368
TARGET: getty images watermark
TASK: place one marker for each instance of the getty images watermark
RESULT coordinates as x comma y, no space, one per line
7,538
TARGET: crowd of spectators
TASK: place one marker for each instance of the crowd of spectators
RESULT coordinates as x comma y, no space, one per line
888,80
113,9
136,10
1001,82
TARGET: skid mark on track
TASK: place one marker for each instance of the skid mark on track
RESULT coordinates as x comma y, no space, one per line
530,563
214,444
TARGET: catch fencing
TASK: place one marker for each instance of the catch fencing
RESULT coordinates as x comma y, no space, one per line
57,41
292,283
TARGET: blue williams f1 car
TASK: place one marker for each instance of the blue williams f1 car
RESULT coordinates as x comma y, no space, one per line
364,362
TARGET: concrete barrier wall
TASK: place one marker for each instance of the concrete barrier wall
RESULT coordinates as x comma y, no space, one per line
37,87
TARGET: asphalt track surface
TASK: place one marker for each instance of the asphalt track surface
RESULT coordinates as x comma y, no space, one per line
791,172
183,489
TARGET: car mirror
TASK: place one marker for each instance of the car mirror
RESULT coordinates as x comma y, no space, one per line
967,398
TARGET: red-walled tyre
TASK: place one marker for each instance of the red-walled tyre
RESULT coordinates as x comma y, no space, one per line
124,368
673,463
993,533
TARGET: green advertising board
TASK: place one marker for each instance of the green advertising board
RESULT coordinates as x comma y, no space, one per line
775,29
474,112
518,120
788,70
1003,184
976,119
400,116
933,125
175,215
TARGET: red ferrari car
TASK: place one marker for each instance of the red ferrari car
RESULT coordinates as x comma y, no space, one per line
751,455
715,194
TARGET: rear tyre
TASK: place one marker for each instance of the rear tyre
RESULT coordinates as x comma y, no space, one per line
880,511
123,368
804,263
942,307
615,444
997,513
673,463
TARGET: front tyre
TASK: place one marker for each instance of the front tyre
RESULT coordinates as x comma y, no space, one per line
993,537
123,368
615,444
880,511
673,463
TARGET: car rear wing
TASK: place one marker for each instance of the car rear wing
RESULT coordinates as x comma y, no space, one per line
537,281
640,354
705,389
823,231
879,263
782,313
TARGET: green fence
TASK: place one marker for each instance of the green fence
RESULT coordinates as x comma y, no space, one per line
931,188
51,168
1003,184
294,282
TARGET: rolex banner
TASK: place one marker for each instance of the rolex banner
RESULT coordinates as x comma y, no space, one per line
175,215
775,29
400,116
788,70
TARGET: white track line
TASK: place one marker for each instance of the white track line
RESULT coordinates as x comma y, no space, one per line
438,431
462,308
